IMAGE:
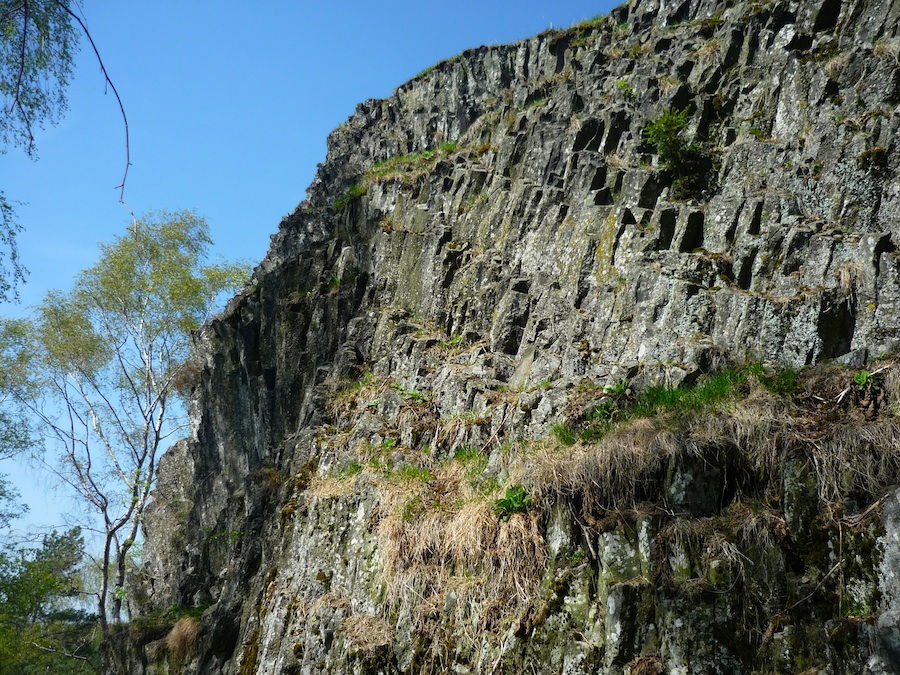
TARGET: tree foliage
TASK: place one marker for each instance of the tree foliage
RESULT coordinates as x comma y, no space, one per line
37,44
96,370
41,630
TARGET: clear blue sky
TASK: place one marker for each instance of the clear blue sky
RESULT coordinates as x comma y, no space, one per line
228,106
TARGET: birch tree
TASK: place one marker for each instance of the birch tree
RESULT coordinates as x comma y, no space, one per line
95,369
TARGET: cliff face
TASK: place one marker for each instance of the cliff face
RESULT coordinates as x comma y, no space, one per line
415,447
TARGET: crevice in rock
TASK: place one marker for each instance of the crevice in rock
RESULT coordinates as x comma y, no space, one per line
667,221
884,245
650,192
827,16
836,325
745,274
589,136
603,197
756,219
692,238
618,125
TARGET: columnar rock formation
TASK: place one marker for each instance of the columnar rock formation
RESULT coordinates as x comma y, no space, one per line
410,451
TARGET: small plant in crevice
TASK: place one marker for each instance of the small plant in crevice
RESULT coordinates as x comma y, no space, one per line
515,501
627,90
353,192
689,164
863,379
452,342
334,284
619,388
565,434
874,160
409,394
546,383
576,557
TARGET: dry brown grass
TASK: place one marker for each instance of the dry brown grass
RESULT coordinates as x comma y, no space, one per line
447,547
857,459
848,278
616,473
668,84
887,49
755,426
182,639
710,50
331,487
835,66
646,665
366,632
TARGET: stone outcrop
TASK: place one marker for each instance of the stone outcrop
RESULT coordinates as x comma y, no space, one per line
492,262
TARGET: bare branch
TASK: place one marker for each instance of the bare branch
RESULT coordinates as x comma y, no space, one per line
63,652
87,34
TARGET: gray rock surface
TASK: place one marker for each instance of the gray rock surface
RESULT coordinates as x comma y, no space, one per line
477,257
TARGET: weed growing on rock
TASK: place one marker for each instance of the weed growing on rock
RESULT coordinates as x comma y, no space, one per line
411,166
515,501
410,394
863,379
627,90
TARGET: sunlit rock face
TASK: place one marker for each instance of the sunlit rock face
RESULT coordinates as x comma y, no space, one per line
490,266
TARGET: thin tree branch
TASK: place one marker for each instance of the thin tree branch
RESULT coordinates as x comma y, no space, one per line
87,34
68,655
17,100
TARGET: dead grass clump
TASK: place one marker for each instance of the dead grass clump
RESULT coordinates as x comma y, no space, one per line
887,49
182,639
728,551
646,665
823,384
856,460
620,471
492,568
848,278
755,425
616,161
711,50
519,555
366,632
835,66
331,487
470,532
890,382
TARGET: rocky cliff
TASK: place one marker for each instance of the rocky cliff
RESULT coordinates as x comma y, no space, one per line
577,358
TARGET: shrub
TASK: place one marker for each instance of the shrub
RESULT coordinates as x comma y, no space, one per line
691,167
